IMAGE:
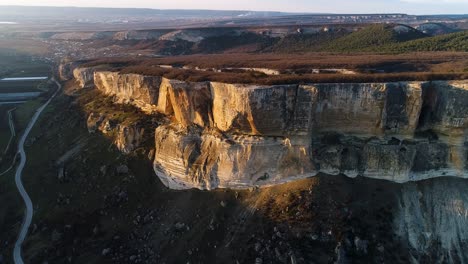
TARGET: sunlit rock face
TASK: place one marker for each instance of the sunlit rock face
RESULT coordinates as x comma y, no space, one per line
141,91
190,102
208,159
253,110
84,76
368,109
238,136
127,136
264,135
65,70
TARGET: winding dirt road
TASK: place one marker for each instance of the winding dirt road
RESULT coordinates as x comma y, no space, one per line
29,207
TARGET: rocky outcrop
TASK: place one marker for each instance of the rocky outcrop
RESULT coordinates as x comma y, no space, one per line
84,76
65,70
141,91
368,109
129,137
211,160
237,136
265,135
445,108
126,136
190,103
432,217
94,122
253,110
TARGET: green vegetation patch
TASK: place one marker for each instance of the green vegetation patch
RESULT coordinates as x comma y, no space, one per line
450,42
21,86
369,38
13,65
305,42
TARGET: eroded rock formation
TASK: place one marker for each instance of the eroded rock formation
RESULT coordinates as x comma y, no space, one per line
127,136
141,91
84,76
268,135
432,217
238,136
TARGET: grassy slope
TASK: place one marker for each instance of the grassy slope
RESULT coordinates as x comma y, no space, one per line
4,129
305,42
371,37
450,42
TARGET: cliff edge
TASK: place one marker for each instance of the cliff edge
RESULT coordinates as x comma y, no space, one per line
224,135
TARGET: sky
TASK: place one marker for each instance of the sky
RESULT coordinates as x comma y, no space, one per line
312,6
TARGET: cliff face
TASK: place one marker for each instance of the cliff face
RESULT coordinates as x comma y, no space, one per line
84,76
126,136
238,136
211,160
190,102
65,70
129,137
253,110
268,135
141,91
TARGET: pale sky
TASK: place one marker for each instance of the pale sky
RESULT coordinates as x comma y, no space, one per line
313,6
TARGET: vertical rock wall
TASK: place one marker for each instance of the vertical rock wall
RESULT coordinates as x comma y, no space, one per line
237,136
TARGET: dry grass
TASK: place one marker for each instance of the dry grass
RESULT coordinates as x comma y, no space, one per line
27,46
296,61
416,66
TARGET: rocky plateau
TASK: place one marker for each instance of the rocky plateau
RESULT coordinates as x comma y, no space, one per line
239,136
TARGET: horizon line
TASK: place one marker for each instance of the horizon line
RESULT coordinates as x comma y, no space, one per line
236,10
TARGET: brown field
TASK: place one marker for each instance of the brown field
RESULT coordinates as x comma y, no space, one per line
26,46
369,67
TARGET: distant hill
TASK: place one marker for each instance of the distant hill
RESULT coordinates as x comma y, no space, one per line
305,42
450,42
18,13
374,36
435,29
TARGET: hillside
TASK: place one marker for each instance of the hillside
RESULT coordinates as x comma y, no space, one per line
449,42
305,42
435,29
374,36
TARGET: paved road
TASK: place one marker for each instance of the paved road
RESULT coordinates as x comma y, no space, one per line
29,207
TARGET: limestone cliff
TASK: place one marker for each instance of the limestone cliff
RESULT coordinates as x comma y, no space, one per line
84,76
65,70
237,136
141,91
211,160
190,102
405,131
432,217
219,135
126,136
129,137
